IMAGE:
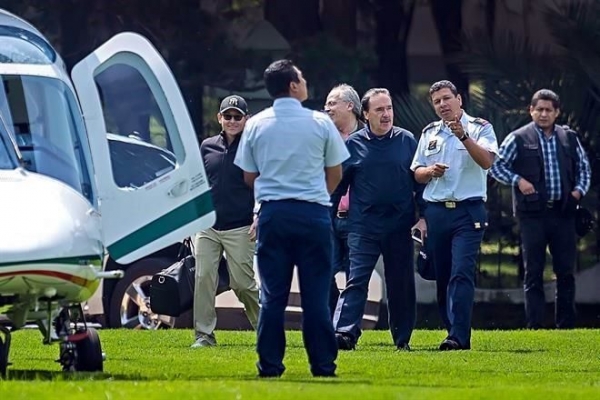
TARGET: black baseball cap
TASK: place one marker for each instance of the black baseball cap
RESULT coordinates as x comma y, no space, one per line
234,102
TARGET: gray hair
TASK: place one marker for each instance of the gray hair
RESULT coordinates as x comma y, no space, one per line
349,95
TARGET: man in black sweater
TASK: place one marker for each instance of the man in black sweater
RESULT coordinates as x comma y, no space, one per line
381,215
233,231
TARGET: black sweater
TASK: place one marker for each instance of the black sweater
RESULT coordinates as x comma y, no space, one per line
232,198
383,190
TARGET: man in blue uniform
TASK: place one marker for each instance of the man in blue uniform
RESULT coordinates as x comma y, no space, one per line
550,173
292,157
453,157
381,214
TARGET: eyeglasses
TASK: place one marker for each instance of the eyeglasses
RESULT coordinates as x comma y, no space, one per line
227,117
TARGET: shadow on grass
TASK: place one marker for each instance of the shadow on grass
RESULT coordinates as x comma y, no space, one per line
515,351
476,350
42,375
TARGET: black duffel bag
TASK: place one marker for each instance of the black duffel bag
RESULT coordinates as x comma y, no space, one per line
172,289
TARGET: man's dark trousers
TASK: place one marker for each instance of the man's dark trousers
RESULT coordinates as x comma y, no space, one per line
397,251
341,258
295,233
558,232
454,237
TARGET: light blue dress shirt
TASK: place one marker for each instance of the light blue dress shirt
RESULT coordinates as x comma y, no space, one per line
290,146
464,179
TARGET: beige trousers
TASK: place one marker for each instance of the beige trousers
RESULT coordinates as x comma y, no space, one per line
239,251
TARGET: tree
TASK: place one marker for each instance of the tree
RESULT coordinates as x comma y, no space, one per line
294,19
512,69
393,19
447,15
339,20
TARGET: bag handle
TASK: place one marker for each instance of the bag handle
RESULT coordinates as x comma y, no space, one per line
186,248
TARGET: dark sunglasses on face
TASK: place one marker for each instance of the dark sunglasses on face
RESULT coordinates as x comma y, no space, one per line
227,117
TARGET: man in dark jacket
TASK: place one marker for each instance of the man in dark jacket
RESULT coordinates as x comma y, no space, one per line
550,173
233,231
381,215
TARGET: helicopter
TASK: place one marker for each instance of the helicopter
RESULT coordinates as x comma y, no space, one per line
80,180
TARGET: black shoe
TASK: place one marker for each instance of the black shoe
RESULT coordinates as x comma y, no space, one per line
403,347
344,342
451,343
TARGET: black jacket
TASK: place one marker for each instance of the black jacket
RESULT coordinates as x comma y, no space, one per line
529,164
232,198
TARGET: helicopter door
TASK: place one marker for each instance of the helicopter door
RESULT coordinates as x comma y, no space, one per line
151,188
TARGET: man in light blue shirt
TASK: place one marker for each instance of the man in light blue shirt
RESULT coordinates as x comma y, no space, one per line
292,157
452,159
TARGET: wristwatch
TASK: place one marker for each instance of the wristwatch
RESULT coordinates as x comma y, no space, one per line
464,137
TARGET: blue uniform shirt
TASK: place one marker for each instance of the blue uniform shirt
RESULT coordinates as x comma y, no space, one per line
290,146
382,186
464,179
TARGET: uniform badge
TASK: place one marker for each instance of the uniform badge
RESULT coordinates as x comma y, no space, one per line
432,144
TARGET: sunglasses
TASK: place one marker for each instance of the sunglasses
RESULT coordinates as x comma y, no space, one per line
227,117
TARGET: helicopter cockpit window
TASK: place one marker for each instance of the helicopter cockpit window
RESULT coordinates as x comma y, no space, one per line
19,46
143,140
6,162
41,114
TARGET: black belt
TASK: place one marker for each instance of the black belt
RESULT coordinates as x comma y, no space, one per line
455,204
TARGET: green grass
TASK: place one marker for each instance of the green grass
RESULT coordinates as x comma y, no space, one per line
157,365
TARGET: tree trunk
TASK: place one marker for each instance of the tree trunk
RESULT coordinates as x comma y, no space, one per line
490,18
447,15
75,31
393,20
294,19
339,20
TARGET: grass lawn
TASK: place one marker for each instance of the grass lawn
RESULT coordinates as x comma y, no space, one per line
160,364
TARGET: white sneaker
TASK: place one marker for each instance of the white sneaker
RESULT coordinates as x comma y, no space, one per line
204,341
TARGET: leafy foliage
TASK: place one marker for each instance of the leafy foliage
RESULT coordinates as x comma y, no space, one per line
511,69
341,65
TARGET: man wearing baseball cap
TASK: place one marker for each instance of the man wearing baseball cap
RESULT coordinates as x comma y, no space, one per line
233,231
234,102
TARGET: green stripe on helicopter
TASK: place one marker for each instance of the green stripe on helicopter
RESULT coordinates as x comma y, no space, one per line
181,216
79,260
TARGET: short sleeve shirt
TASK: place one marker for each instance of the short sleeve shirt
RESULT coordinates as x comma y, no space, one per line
289,147
464,178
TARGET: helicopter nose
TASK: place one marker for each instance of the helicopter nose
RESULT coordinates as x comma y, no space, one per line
45,219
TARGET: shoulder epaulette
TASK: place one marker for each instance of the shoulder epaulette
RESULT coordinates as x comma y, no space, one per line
431,125
480,121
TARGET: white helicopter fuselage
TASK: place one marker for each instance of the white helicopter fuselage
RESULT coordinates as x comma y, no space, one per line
70,192
50,239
